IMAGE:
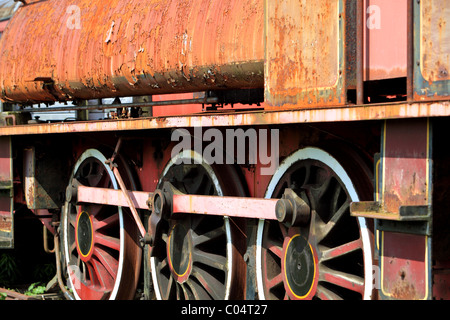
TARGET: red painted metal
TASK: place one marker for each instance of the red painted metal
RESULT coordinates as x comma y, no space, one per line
406,164
404,261
3,25
405,177
225,206
80,50
6,193
175,110
112,197
5,163
385,36
195,204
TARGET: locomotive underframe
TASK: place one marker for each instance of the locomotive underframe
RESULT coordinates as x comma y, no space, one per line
149,150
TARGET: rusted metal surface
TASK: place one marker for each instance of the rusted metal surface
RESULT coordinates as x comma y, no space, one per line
405,182
385,36
359,113
405,266
360,15
13,295
435,40
6,222
431,49
64,50
405,176
305,63
406,173
37,197
45,175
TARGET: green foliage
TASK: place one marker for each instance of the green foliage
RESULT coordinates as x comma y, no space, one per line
35,289
9,272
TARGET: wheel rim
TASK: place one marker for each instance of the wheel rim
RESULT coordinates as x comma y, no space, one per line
194,258
101,257
330,256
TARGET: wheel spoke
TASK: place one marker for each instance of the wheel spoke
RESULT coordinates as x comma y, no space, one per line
170,287
339,251
275,281
284,230
107,241
198,291
322,189
342,279
112,220
98,275
210,235
90,272
326,294
108,261
184,292
73,248
211,285
326,229
72,219
275,248
163,264
335,197
213,260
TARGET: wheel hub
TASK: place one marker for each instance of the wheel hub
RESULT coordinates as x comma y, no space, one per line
299,268
179,252
84,235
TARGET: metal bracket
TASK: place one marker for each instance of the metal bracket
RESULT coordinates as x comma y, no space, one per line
375,210
409,219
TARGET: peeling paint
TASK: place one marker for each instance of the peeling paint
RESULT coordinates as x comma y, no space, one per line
125,48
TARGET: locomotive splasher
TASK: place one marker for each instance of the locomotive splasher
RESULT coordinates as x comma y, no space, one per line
70,50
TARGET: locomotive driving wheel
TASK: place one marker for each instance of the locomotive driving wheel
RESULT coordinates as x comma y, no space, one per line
99,242
198,257
327,256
